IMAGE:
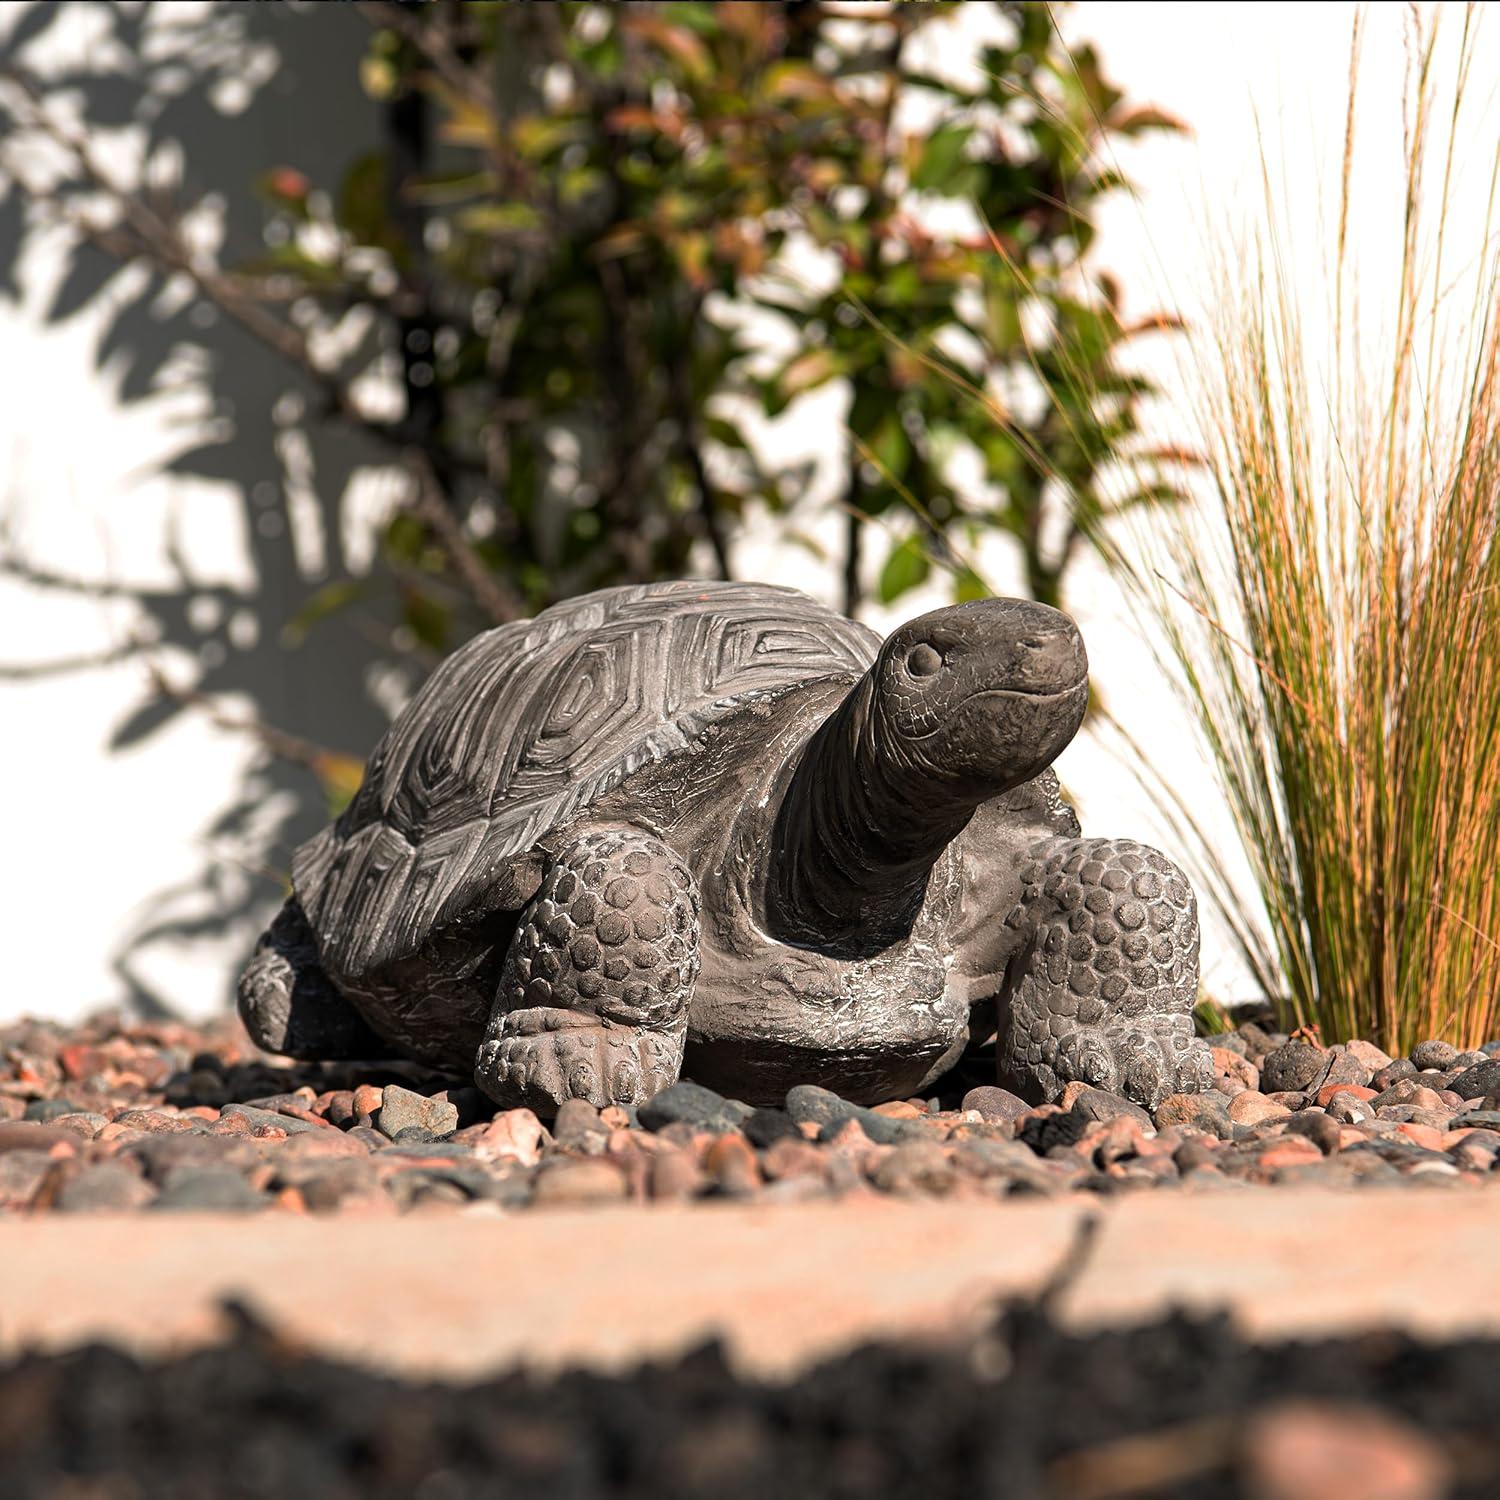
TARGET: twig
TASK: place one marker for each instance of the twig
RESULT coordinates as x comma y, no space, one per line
500,602
690,446
62,666
284,746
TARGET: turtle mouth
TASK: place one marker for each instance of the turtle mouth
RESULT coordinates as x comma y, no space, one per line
1037,695
1027,695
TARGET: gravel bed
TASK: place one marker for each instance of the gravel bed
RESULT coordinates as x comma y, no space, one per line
1180,1408
115,1115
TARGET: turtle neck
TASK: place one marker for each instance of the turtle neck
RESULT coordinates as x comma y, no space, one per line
856,836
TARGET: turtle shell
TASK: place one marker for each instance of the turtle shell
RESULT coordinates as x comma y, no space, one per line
524,727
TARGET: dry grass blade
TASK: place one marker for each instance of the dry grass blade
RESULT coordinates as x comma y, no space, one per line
1338,627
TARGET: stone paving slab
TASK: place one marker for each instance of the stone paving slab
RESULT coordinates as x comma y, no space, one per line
1298,1262
455,1296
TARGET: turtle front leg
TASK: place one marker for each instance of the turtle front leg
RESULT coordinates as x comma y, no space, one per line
594,994
1102,984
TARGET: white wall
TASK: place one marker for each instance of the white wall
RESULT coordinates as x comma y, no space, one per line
98,846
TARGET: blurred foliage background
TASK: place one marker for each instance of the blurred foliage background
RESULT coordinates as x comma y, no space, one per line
587,258
577,206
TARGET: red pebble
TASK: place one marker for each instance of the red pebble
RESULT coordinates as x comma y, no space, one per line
1290,1151
78,1060
367,1101
1329,1091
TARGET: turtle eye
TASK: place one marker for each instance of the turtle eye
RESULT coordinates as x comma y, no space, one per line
923,660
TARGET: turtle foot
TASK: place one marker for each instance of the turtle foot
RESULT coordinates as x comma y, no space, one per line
542,1057
1101,987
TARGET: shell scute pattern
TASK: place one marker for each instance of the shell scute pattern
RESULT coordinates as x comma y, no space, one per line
526,726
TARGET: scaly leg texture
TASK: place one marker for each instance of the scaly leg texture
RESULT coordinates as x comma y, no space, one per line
594,995
290,1006
1102,986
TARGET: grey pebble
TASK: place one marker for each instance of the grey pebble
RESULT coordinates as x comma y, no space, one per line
687,1103
764,1127
105,1187
401,1109
1292,1067
577,1123
261,1117
208,1188
809,1104
1434,1054
1320,1128
1096,1104
995,1103
44,1111
1479,1081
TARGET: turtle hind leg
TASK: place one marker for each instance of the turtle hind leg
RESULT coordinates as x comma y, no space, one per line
1102,988
291,1007
594,994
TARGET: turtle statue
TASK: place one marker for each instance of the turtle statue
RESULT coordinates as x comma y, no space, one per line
718,830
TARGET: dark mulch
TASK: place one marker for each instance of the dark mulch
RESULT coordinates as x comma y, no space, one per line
1181,1408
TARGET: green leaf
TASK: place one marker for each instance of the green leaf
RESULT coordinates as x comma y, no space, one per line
362,198
322,603
429,621
907,566
918,80
942,159
727,433
1152,495
538,137
808,543
500,218
296,261
890,447
340,776
450,187
968,586
808,371
578,183
405,539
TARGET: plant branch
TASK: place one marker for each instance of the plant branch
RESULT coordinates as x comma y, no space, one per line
498,600
289,747
690,447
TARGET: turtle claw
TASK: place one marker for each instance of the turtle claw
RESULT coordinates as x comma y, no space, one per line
1144,1064
1085,1056
1194,1065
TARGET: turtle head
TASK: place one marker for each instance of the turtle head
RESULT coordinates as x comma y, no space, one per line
958,707
980,697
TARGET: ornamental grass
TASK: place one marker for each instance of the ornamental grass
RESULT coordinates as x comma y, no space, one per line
1333,609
